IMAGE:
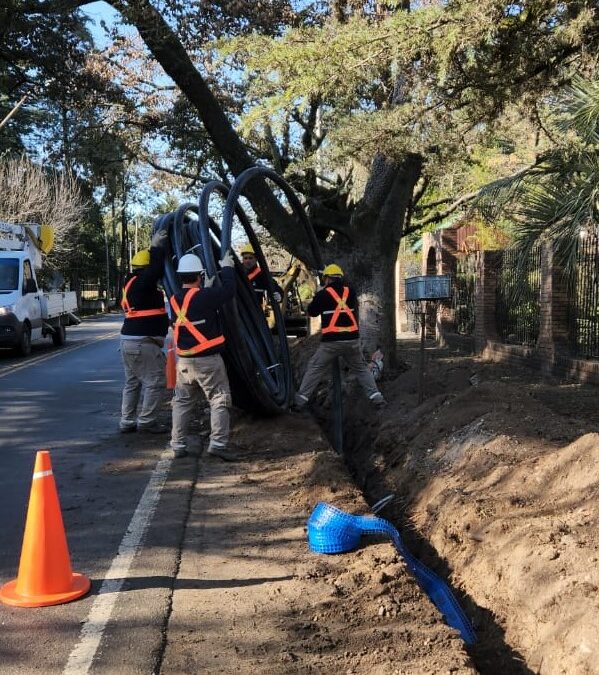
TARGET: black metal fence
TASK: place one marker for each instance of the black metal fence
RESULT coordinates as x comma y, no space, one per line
463,293
584,300
518,293
413,316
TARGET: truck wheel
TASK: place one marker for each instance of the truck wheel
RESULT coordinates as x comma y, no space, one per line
24,346
59,336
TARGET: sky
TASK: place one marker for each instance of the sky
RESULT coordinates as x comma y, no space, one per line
100,11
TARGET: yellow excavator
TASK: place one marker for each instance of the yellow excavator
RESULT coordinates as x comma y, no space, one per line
294,302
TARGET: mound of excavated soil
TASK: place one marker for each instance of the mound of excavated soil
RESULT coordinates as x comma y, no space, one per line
498,478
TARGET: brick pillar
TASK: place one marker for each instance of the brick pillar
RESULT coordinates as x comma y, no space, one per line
401,313
485,326
554,333
445,312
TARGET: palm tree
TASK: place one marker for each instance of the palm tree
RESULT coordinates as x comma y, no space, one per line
557,199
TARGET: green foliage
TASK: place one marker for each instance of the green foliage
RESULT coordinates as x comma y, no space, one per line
558,199
414,81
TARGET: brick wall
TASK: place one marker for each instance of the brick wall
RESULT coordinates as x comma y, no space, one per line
552,353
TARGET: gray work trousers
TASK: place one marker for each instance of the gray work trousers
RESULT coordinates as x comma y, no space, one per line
207,374
319,367
144,364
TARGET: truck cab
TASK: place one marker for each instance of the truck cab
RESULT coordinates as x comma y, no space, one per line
27,313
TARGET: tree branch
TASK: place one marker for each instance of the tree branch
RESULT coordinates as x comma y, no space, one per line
50,6
464,199
438,216
168,50
174,172
419,190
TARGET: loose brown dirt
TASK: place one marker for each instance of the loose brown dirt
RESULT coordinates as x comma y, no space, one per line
250,597
497,483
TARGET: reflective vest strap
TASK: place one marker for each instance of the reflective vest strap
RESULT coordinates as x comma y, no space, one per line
341,307
182,320
181,312
137,313
187,300
125,302
254,273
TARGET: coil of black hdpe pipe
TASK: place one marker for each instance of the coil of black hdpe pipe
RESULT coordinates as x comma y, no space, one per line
257,360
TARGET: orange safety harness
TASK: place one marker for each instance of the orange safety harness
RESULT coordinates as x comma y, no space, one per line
339,309
131,313
182,321
254,273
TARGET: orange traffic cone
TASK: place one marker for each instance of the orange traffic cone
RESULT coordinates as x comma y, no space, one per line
45,576
171,364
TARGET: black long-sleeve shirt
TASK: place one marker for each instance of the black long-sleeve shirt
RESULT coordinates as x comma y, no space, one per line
260,283
145,294
204,307
324,305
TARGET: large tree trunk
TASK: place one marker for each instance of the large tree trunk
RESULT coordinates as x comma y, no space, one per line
377,228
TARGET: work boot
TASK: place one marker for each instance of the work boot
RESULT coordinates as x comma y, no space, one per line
378,400
127,428
153,428
300,402
220,453
178,453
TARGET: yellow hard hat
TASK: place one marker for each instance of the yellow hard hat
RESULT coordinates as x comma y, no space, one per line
332,271
141,258
46,238
248,248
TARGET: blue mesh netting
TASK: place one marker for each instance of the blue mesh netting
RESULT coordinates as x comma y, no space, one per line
331,530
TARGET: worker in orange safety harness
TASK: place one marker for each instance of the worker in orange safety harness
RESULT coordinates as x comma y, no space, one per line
256,275
142,339
337,306
199,341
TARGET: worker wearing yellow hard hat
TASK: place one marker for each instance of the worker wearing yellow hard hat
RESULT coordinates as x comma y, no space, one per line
256,275
332,271
337,306
141,258
142,337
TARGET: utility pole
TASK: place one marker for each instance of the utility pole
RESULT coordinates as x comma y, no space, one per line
107,267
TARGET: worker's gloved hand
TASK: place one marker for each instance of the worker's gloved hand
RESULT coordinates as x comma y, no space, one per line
227,260
208,282
159,238
277,296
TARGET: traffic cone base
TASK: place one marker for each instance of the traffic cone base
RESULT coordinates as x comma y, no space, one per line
45,576
8,595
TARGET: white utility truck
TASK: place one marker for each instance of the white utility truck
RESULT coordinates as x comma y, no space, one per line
28,313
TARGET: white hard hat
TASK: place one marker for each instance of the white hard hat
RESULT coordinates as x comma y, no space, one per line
190,263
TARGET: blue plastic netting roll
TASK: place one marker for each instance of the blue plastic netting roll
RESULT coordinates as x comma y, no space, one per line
331,530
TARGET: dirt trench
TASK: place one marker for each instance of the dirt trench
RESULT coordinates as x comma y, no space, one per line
496,477
251,598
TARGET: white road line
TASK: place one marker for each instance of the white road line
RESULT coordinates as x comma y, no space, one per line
82,656
33,362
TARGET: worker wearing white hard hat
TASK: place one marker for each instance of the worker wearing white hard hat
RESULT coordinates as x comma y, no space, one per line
199,342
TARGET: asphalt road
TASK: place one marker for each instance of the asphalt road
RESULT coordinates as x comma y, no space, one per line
67,400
